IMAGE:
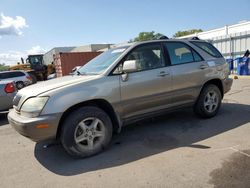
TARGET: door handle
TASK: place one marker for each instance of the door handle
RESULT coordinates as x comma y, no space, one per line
163,73
203,66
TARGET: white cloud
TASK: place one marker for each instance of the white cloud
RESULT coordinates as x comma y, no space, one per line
11,26
36,50
12,57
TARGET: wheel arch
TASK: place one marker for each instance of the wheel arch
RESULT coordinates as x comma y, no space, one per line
216,82
102,104
20,81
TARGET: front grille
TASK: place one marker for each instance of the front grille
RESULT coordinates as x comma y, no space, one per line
16,100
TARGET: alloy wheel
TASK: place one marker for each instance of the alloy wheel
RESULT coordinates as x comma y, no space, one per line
89,133
211,101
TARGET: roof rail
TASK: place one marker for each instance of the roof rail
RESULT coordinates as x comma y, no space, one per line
194,38
162,37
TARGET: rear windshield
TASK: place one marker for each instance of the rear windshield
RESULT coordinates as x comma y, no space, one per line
207,47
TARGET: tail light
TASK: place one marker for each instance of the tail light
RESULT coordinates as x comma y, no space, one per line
10,88
29,78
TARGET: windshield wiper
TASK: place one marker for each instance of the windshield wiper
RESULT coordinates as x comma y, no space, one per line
86,73
81,73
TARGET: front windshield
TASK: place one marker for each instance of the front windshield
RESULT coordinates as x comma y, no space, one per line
99,64
35,60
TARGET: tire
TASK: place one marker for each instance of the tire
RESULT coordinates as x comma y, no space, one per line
20,85
209,101
86,132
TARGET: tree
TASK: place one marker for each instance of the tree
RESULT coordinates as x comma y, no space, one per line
3,67
187,32
144,36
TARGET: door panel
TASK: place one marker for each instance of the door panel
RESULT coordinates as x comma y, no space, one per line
188,71
146,91
187,82
148,88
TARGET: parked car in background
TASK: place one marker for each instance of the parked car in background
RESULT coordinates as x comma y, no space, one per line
7,94
21,78
51,76
120,86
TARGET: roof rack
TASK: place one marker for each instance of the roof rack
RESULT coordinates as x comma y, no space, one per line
162,37
194,38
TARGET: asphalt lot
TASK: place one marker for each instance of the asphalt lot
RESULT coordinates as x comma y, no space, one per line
175,150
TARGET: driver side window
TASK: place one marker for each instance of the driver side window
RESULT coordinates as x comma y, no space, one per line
147,57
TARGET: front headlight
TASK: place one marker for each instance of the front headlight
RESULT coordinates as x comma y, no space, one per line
32,107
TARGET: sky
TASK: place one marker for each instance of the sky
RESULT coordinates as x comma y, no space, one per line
36,26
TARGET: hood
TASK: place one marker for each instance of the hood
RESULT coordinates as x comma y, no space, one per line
44,86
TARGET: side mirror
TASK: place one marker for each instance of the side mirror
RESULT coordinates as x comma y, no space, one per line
73,70
129,66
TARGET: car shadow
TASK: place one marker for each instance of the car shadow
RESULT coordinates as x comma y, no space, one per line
147,138
3,118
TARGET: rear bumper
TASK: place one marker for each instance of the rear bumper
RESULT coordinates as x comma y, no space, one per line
227,84
28,126
6,101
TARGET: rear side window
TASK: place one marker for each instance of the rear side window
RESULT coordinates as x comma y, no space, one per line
17,74
209,48
7,75
4,75
181,53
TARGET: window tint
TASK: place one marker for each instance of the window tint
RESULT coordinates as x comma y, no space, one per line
11,75
147,57
179,53
5,75
197,57
209,48
17,74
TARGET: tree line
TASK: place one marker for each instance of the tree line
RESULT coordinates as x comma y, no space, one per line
144,36
3,67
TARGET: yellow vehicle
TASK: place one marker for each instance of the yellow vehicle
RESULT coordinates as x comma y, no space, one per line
35,67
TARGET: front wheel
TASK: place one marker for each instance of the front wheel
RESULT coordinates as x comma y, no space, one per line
86,132
209,101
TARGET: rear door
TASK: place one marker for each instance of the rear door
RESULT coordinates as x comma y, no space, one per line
188,70
148,89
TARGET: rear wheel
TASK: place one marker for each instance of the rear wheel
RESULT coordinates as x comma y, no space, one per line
86,132
209,101
20,85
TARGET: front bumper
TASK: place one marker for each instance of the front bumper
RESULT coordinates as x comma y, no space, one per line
27,126
227,84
